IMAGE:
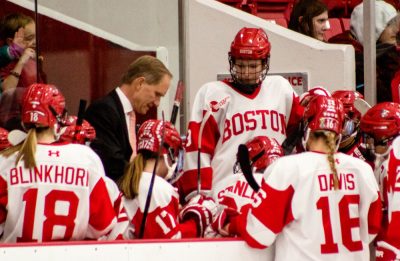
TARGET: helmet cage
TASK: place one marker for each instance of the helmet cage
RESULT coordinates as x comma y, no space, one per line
254,79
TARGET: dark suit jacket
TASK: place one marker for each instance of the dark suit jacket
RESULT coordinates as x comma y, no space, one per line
112,140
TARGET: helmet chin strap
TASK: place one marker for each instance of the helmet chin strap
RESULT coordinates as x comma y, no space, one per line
171,168
305,137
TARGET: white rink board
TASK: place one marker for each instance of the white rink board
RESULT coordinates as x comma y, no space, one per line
202,250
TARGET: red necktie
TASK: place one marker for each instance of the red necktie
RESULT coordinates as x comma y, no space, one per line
132,133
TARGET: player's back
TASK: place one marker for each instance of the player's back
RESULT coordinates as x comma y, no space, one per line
161,221
63,198
326,223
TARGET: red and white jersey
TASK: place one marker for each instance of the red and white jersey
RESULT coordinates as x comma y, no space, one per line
235,118
393,195
162,218
298,202
357,151
64,198
122,219
234,191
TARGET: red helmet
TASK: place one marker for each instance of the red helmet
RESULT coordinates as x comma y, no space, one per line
250,43
348,98
43,105
150,134
4,143
317,90
263,151
324,113
87,132
382,121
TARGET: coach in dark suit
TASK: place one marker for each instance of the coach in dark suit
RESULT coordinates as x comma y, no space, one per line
145,82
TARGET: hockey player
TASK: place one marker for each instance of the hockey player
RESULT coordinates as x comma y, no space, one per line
324,205
381,124
86,132
234,191
230,112
352,142
4,143
164,218
388,248
51,191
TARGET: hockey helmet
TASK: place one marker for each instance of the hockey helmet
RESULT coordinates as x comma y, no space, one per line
43,106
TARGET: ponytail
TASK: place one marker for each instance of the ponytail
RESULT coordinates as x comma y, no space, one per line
331,142
129,182
26,150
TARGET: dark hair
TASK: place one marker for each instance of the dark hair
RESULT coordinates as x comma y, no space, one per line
307,9
11,23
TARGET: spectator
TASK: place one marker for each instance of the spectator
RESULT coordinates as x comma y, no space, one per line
51,191
310,17
159,139
387,57
322,204
20,72
230,112
113,117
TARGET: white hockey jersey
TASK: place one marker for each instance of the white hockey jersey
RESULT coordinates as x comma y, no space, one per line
64,198
233,119
162,218
392,192
314,221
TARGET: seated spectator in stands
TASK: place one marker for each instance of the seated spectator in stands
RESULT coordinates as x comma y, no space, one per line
19,70
310,17
387,57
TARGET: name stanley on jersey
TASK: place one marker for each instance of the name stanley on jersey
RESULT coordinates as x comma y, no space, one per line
50,174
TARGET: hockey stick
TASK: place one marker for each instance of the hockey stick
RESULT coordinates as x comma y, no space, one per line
153,176
177,102
79,120
37,40
362,106
244,162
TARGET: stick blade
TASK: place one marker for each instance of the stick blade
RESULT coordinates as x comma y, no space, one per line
362,106
244,162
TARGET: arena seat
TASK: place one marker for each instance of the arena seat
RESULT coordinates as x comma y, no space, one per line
336,28
233,3
341,8
273,8
396,87
345,22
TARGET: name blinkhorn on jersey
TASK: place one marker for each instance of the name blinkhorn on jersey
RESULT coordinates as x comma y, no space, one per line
346,181
49,174
251,120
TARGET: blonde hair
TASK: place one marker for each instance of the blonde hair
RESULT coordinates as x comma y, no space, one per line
149,67
129,182
26,150
330,139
